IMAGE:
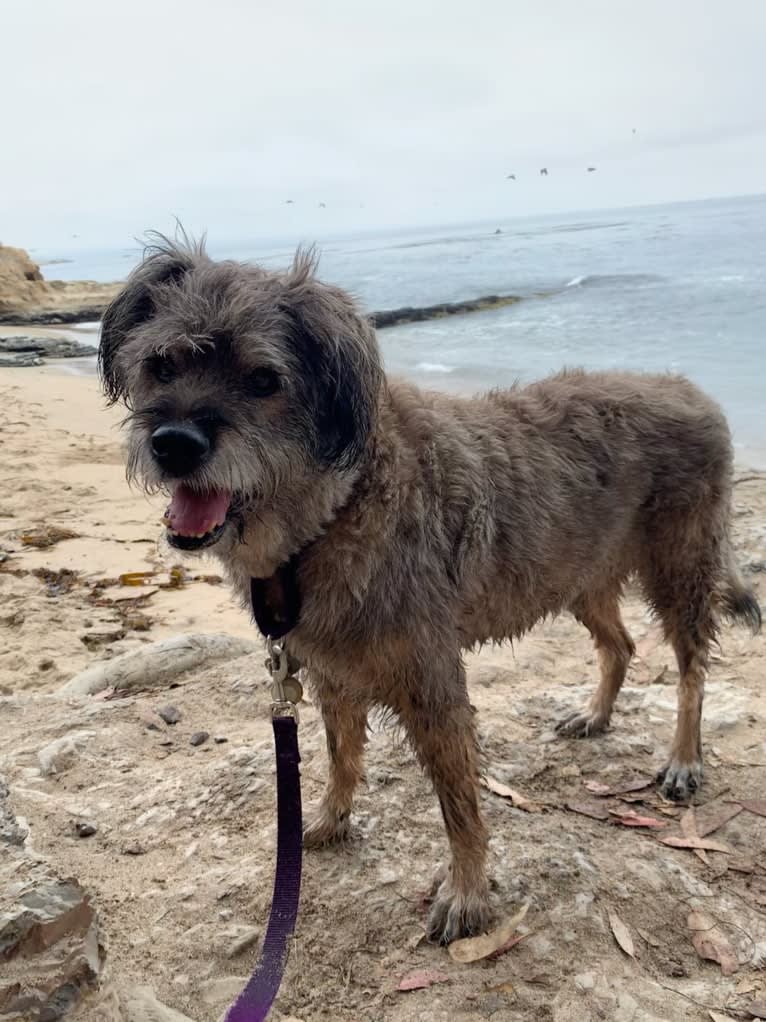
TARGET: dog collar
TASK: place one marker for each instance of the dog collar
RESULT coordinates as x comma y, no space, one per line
276,601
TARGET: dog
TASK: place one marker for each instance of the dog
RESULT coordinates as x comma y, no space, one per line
384,529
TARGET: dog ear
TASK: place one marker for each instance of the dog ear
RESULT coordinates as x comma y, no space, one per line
341,361
163,263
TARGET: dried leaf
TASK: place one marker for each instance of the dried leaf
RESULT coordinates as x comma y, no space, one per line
595,810
632,819
518,801
699,921
511,942
746,986
717,1016
757,1009
650,939
473,949
105,693
702,842
714,815
688,824
419,979
754,805
621,788
621,933
501,988
710,943
416,939
598,788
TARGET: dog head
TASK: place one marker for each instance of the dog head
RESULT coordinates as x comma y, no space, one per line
239,383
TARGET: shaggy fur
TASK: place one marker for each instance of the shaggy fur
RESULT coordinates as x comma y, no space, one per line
420,525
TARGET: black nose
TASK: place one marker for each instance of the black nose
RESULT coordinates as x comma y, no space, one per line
180,447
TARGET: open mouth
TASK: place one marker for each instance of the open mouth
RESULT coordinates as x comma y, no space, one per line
196,520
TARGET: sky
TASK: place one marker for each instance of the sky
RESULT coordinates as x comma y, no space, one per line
119,116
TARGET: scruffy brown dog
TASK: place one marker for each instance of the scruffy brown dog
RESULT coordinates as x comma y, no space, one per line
387,529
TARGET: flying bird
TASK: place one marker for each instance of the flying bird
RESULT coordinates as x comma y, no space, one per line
288,202
543,171
633,130
591,169
322,205
511,177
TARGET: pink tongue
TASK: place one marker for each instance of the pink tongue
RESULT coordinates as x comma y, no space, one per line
191,513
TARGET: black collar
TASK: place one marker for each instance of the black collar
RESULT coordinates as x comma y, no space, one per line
276,601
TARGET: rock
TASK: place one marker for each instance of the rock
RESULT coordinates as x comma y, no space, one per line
125,1003
222,990
219,739
133,848
50,950
240,940
156,664
26,297
170,714
152,720
59,754
199,738
585,981
46,347
22,359
95,640
84,829
410,314
11,831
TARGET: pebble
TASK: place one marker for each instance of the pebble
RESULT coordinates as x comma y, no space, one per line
152,720
199,737
170,714
585,981
61,753
219,739
84,829
133,848
242,942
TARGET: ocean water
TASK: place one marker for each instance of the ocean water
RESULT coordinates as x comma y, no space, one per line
679,288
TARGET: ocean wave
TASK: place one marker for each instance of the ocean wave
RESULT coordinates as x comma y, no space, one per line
614,280
433,367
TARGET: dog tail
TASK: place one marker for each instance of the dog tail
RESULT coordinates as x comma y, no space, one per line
738,603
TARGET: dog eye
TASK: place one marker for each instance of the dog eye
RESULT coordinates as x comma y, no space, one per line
263,383
162,368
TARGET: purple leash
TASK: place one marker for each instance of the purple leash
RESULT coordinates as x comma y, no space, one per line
255,1001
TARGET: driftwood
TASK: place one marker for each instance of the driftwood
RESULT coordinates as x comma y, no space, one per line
157,664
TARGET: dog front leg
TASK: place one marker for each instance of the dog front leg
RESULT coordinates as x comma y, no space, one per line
444,739
346,728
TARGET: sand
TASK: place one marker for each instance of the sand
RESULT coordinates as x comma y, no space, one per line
183,917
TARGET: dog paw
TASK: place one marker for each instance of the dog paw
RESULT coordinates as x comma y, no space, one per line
326,829
453,915
581,725
680,781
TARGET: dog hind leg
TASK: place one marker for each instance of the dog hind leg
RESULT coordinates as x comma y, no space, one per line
601,616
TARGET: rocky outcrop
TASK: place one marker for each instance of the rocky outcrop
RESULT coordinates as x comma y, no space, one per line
45,347
415,314
50,953
26,297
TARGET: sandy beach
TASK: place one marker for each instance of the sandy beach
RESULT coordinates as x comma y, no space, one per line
178,866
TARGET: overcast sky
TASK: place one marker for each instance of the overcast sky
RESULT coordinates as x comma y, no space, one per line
117,116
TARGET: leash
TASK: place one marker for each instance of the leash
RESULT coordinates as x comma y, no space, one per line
255,1001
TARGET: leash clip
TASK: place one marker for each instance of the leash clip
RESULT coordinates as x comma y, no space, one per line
286,690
